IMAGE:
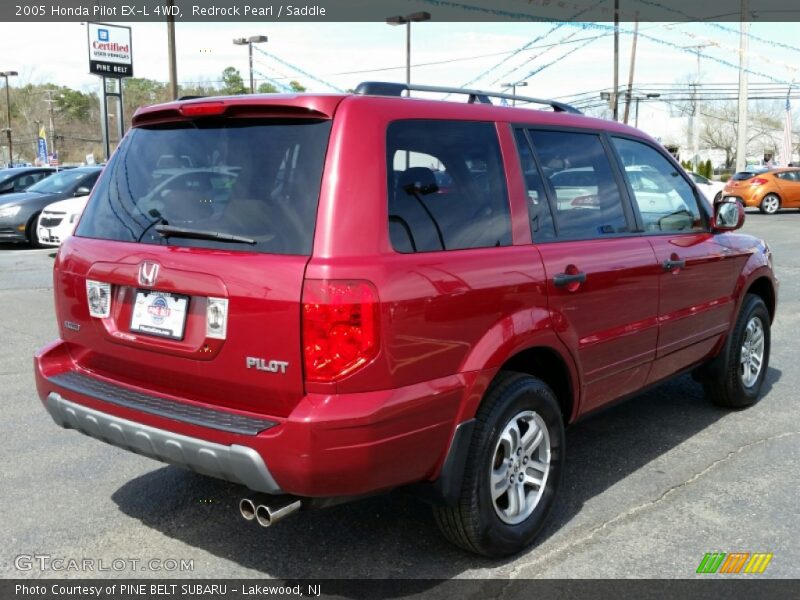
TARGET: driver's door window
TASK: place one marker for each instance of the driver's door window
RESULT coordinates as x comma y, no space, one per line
666,201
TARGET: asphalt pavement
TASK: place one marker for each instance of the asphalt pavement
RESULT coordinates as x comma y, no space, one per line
651,485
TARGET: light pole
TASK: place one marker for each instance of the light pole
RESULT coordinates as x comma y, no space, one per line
249,41
8,74
514,87
416,17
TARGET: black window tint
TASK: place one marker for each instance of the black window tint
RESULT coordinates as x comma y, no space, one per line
587,199
258,179
446,186
665,199
541,219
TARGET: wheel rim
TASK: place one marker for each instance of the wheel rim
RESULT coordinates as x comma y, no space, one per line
752,355
771,203
520,467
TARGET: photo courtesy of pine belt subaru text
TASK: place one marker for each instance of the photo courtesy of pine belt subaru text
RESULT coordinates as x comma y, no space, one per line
325,296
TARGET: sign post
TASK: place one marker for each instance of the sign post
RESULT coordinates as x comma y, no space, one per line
110,57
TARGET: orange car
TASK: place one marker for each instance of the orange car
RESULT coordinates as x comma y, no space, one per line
768,191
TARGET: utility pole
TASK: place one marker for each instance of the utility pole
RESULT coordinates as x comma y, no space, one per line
52,121
172,60
630,72
615,93
741,128
8,74
694,125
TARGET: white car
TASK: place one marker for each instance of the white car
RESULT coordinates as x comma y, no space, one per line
58,220
710,189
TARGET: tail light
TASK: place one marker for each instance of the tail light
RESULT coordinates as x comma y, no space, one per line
98,295
340,327
758,181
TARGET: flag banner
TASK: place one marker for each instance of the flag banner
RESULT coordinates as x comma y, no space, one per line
42,147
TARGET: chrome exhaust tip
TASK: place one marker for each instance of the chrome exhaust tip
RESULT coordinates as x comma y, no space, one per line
269,514
247,509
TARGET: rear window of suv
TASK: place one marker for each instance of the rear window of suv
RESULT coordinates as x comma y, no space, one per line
253,183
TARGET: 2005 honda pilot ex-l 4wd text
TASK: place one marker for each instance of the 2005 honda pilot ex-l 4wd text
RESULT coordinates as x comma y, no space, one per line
322,297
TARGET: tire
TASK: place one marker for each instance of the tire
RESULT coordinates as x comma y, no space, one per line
495,528
727,381
33,232
770,204
718,197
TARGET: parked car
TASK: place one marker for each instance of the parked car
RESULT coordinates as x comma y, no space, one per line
712,190
19,212
768,190
332,325
21,178
58,220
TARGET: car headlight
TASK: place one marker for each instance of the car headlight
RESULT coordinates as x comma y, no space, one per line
9,211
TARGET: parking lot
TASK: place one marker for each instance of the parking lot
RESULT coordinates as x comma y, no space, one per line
651,485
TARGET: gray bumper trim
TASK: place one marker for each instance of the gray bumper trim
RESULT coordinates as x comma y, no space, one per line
235,463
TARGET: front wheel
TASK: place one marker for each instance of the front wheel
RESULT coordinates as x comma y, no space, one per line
735,377
770,204
513,469
33,232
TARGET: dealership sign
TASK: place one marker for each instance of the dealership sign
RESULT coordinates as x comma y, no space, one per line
110,52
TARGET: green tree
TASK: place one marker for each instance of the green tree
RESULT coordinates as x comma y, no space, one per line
297,86
709,169
232,82
267,88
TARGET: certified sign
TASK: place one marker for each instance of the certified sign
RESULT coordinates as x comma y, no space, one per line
110,52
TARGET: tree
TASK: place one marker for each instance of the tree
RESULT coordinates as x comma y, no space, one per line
232,82
138,92
297,86
719,128
267,88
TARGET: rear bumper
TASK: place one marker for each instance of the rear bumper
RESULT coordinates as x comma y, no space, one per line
232,463
330,445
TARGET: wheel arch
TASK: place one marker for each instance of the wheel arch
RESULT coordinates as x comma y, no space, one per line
552,367
762,287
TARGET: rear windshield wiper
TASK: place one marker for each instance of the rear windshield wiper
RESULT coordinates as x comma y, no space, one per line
198,234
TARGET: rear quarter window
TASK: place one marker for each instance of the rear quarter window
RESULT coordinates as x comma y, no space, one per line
446,186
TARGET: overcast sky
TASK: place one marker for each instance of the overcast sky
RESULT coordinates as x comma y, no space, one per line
573,58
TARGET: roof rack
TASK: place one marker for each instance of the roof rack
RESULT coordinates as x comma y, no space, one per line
385,88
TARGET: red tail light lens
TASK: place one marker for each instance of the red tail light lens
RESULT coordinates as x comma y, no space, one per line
340,327
758,181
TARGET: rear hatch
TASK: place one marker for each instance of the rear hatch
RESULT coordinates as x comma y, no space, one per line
185,273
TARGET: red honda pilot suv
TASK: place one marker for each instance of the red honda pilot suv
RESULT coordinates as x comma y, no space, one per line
322,297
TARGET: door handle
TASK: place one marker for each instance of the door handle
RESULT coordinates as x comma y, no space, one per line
673,265
564,279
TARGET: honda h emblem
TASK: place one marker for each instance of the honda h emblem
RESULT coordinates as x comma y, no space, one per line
148,273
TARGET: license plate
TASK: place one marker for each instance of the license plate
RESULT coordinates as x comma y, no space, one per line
159,313
44,234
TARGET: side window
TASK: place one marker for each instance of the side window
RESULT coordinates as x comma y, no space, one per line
446,186
588,203
23,183
541,219
665,199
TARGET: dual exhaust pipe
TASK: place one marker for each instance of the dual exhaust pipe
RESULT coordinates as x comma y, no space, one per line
268,511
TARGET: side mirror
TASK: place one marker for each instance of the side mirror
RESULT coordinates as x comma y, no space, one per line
728,214
83,191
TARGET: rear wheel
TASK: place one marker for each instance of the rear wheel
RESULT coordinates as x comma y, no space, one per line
770,204
513,469
734,378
